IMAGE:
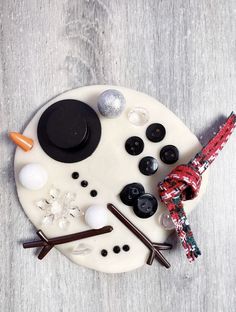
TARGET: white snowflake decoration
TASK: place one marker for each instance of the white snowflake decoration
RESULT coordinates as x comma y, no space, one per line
59,208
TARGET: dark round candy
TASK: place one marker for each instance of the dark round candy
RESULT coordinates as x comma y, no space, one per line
155,132
134,145
75,175
148,165
84,183
126,248
116,249
130,192
104,252
93,193
169,154
145,206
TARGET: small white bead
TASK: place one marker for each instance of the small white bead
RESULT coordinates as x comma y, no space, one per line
33,176
96,216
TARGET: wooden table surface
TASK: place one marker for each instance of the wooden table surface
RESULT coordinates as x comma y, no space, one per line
181,52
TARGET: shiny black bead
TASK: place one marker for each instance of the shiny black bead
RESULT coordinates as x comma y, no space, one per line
134,145
126,248
84,183
116,249
148,165
104,252
75,175
145,206
169,154
155,132
130,192
93,193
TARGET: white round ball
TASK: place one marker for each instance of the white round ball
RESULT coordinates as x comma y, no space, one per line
96,216
33,176
111,103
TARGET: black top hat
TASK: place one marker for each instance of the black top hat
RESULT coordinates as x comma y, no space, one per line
69,131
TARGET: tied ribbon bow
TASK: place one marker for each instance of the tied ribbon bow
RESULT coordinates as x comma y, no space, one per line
183,183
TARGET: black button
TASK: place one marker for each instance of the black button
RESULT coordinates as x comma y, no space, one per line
148,165
93,193
134,145
155,132
84,183
126,248
130,192
75,175
104,252
116,249
145,206
169,154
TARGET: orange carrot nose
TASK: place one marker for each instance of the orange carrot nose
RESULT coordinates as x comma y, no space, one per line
22,141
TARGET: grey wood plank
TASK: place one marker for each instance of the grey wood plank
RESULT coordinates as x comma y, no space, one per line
181,52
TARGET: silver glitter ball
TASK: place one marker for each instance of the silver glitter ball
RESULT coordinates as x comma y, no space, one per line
111,103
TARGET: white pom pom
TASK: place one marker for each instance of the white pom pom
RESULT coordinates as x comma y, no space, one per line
96,216
33,176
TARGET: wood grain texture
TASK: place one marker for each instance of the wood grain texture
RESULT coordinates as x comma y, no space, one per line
183,52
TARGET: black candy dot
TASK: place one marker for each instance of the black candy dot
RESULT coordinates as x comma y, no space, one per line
169,154
148,165
155,132
75,175
84,183
104,252
93,193
126,248
134,145
116,249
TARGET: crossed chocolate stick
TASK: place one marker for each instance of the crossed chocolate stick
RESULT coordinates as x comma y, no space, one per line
154,248
48,244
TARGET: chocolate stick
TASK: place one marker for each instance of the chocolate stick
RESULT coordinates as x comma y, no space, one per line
153,247
48,244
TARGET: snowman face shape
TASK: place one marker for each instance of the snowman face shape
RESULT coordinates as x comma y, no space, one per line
112,160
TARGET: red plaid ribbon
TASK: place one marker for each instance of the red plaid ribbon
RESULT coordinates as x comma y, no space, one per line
183,183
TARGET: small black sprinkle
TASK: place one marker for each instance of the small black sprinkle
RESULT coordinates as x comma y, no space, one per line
84,183
75,175
93,193
126,248
116,249
104,252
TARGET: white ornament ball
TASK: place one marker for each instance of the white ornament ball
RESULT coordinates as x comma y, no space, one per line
33,176
111,103
96,216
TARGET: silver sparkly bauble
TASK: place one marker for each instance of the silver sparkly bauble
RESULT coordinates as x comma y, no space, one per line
111,103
